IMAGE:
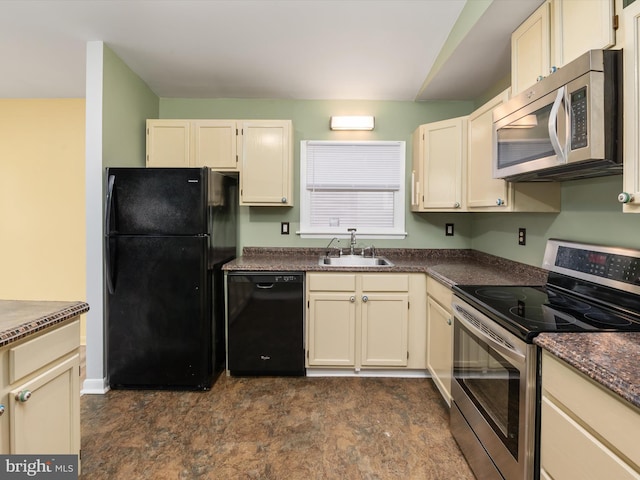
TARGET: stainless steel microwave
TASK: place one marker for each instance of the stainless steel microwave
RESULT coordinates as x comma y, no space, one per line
567,126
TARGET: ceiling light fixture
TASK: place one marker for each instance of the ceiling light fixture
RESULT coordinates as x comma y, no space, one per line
352,122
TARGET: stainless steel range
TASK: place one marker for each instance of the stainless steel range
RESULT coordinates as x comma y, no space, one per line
496,371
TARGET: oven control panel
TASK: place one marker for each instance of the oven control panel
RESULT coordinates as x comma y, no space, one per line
617,267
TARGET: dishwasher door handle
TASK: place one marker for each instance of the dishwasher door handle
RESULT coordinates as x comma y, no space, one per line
264,285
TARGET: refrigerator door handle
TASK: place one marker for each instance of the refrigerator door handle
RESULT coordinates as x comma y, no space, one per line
107,223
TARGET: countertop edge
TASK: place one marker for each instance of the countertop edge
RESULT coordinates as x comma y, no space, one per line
43,322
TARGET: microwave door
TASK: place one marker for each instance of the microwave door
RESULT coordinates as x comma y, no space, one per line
532,138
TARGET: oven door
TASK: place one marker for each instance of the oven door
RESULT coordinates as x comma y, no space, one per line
494,390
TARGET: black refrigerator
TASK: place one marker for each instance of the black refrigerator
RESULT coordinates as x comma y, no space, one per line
168,231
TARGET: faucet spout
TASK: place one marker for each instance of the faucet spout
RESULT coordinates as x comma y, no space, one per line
352,244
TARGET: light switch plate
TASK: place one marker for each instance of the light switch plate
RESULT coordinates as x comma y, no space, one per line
448,229
284,228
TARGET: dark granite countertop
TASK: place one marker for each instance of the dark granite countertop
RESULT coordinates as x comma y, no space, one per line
611,359
449,266
20,318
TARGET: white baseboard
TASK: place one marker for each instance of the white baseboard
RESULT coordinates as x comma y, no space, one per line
94,386
335,372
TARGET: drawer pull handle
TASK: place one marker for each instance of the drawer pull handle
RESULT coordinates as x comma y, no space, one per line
23,396
352,299
365,299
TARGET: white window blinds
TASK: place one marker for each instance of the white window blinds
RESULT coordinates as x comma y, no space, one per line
352,184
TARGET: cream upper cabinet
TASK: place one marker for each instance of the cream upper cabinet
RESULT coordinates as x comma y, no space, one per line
530,50
266,163
586,431
40,393
558,32
439,151
581,25
215,144
631,58
168,143
440,336
485,193
192,143
364,320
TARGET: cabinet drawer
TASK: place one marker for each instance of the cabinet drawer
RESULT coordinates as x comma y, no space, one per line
332,282
385,283
616,421
34,354
568,451
439,292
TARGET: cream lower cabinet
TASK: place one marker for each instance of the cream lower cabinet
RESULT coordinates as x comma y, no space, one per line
439,154
364,320
440,336
586,432
40,380
487,194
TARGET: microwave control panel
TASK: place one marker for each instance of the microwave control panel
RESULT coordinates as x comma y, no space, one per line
579,119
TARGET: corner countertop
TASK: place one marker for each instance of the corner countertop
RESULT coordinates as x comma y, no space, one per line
20,318
611,359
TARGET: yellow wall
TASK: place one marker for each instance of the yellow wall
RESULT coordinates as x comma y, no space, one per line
42,199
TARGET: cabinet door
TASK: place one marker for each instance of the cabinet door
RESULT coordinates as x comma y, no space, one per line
168,143
332,329
214,144
444,147
47,421
266,163
530,50
385,327
631,174
581,25
440,347
484,191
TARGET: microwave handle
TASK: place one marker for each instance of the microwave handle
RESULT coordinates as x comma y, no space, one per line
553,121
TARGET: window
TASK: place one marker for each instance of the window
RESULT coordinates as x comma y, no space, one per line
352,184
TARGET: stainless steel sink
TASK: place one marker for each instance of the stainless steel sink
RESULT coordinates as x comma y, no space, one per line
354,261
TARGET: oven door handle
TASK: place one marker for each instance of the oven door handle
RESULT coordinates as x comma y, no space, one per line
497,346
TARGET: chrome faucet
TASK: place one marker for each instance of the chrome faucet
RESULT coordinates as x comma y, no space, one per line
329,247
352,244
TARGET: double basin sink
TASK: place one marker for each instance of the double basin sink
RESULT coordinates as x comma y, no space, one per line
354,261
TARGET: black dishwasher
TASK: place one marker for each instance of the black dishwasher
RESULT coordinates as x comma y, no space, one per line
265,329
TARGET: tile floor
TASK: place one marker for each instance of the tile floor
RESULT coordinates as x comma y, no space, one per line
273,428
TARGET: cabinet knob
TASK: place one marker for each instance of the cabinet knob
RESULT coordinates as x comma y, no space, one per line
625,197
1,409
456,205
23,396
448,321
283,199
352,299
499,202
365,299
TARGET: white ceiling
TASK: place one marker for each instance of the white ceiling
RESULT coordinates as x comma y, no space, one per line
287,49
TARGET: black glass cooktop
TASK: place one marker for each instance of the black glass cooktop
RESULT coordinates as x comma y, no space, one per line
527,311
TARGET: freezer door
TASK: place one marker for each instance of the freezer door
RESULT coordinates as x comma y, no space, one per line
157,201
159,332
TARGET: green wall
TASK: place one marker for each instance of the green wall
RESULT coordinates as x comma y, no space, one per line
126,104
590,211
260,226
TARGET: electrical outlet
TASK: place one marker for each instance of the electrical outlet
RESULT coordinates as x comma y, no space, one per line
448,229
284,228
522,236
